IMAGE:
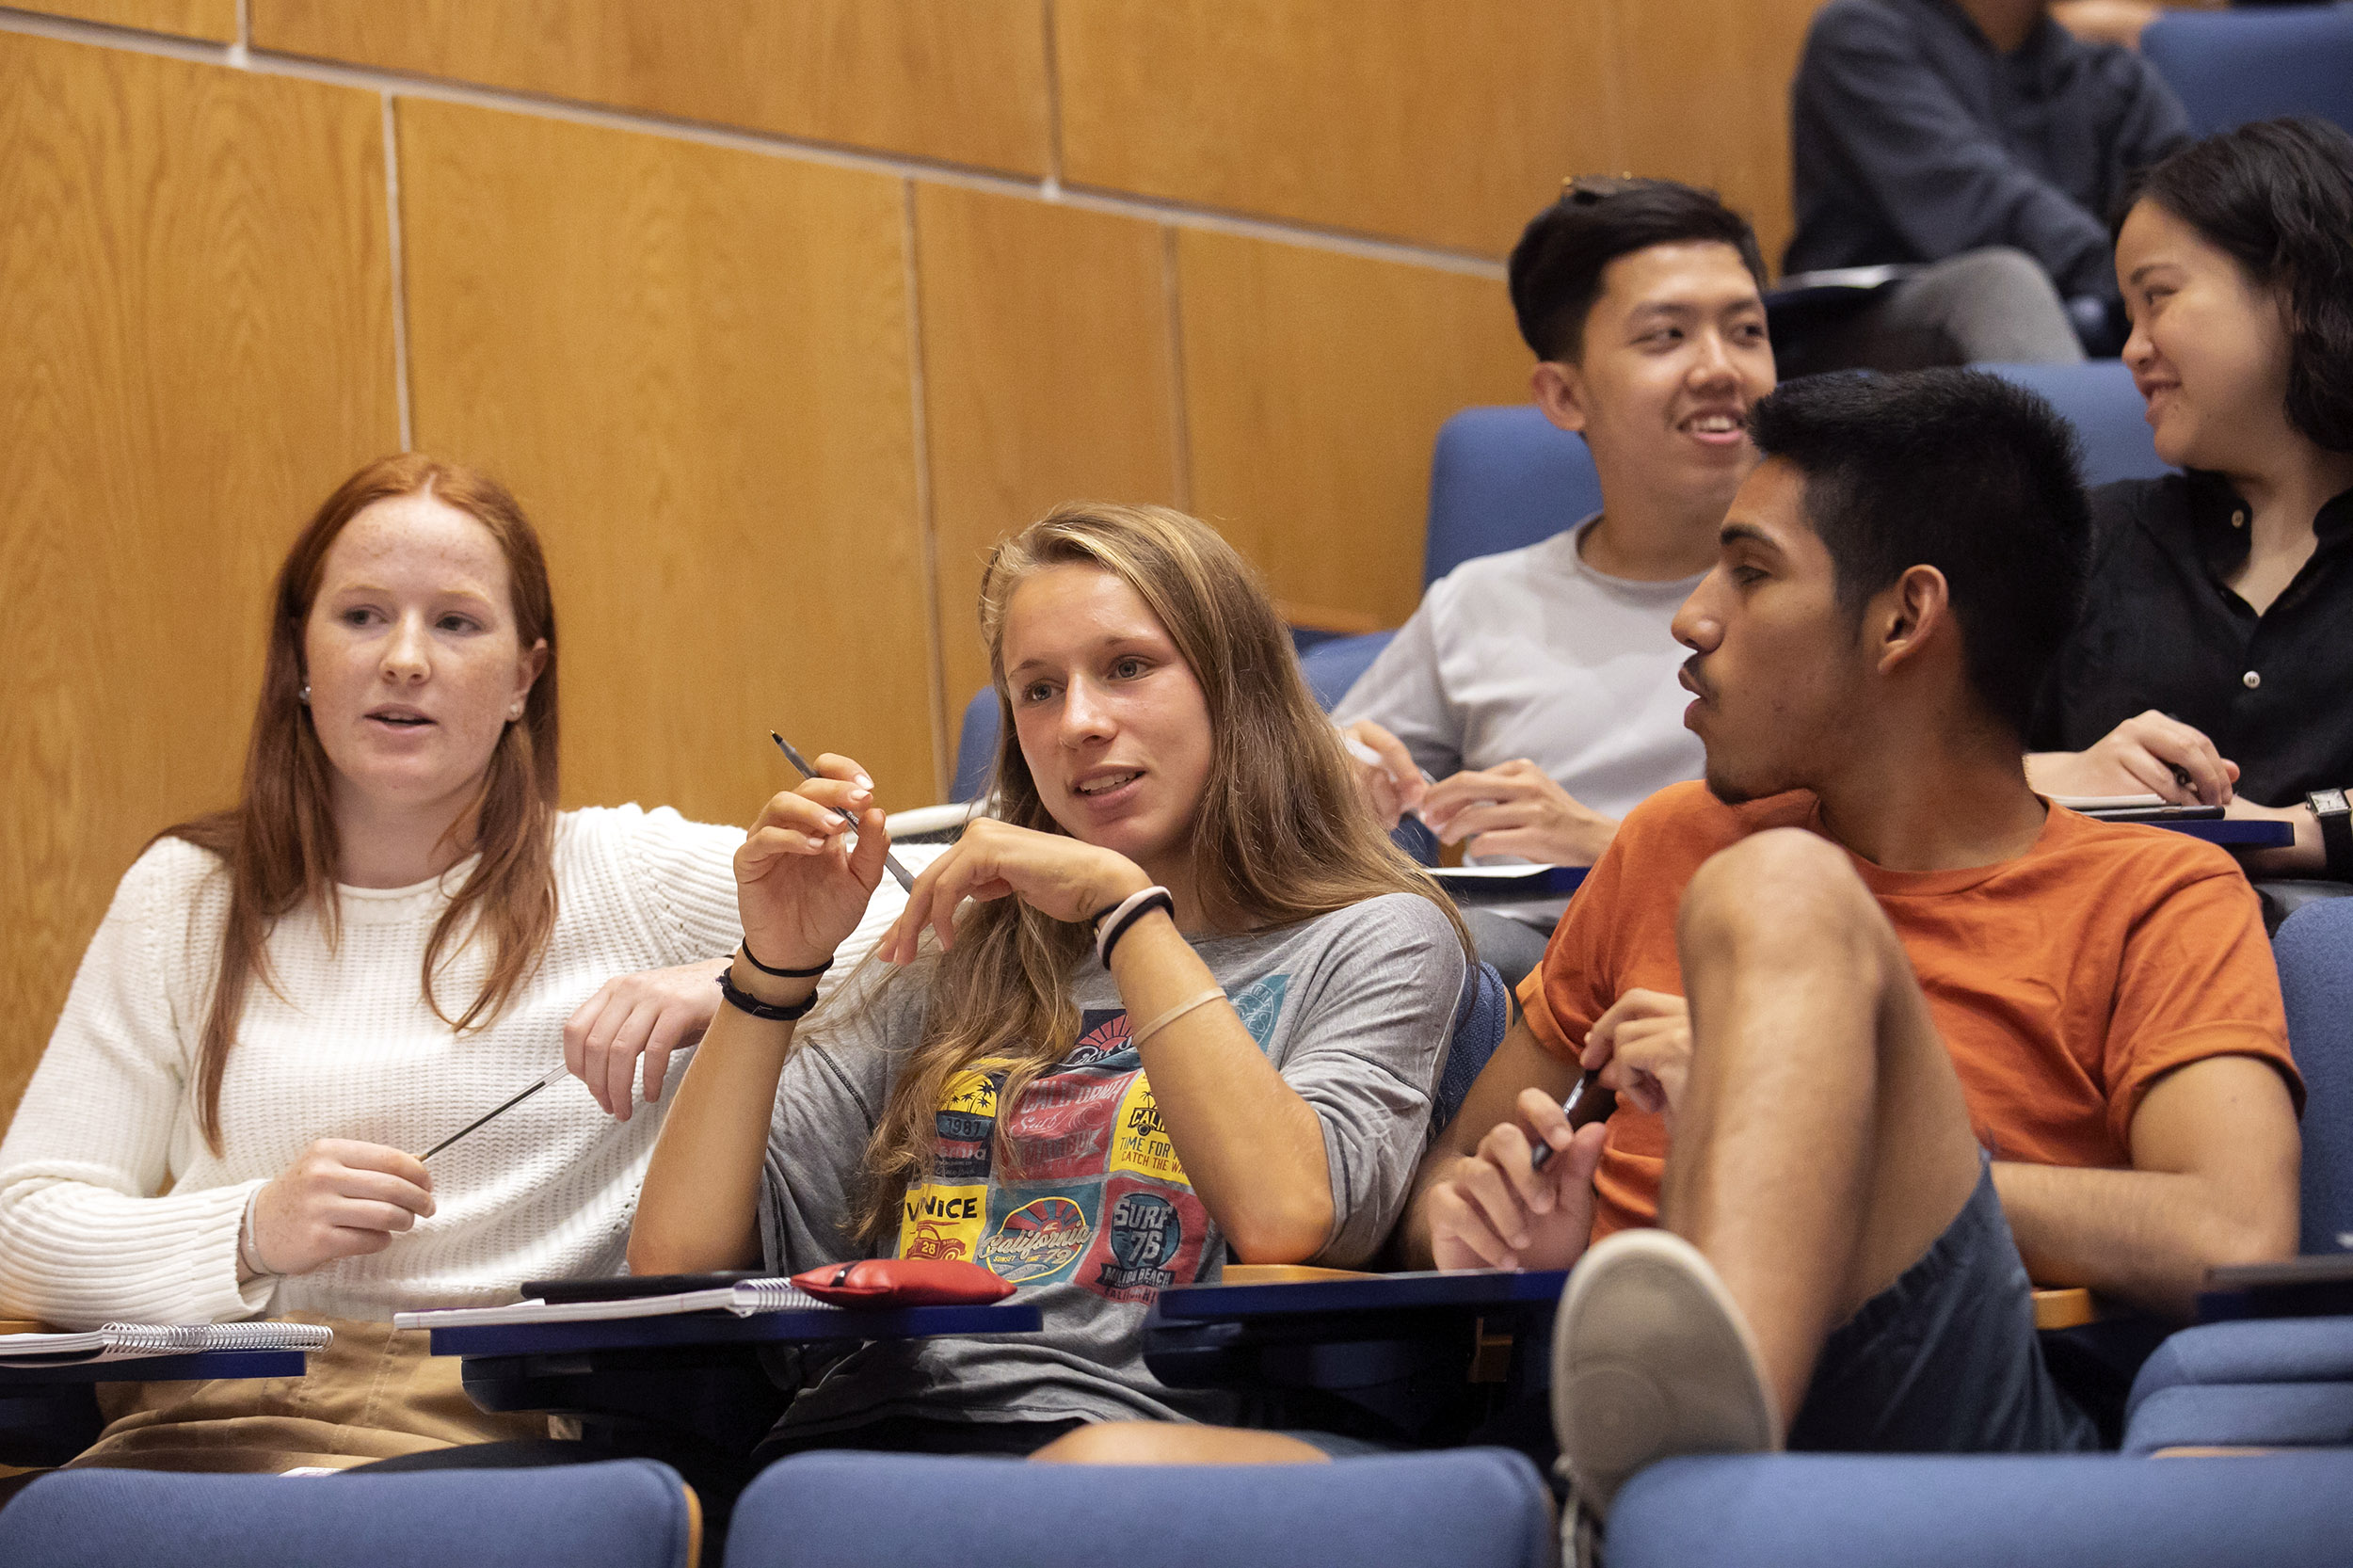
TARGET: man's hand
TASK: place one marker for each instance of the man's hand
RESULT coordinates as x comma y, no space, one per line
1386,775
1642,1048
1493,1210
1516,810
2147,754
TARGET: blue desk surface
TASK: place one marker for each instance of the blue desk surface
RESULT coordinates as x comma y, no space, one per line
160,1368
1379,1293
2234,835
725,1328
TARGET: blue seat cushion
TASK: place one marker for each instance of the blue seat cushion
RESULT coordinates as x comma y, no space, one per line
624,1513
2243,1414
2272,1350
1470,1508
1825,1511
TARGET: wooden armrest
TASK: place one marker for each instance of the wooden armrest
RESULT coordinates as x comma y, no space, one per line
1285,1273
2070,1307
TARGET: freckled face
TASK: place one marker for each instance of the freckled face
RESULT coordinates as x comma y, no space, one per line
1776,661
412,657
1110,718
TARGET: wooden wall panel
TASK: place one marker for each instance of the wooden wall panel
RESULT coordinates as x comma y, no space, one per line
1047,375
1448,124
692,366
1706,98
964,81
205,19
195,347
1315,384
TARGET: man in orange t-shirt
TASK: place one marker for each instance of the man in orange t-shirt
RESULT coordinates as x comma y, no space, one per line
1889,1033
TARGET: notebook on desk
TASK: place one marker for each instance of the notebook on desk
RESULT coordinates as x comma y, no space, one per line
133,1341
742,1298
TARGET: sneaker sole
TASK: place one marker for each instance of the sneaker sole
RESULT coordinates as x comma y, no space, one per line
1650,1360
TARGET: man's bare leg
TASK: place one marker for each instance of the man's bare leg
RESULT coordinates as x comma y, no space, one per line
1175,1443
1821,1143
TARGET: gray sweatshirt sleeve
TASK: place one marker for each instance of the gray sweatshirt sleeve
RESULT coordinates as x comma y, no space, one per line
1365,1052
1403,695
828,1103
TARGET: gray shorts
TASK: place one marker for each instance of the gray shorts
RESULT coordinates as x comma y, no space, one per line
1945,1360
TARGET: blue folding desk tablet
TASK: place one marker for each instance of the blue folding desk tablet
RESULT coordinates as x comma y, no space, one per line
1464,1287
192,1367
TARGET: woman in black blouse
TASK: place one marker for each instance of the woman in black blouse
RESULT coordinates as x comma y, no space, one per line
2214,662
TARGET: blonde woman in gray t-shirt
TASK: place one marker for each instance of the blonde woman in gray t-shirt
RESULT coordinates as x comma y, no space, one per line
1196,1003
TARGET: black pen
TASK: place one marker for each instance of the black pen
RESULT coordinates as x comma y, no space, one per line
553,1073
905,879
1542,1156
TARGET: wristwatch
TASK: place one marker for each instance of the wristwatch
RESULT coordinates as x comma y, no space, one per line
2336,830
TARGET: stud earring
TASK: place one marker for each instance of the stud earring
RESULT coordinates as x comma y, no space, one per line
304,696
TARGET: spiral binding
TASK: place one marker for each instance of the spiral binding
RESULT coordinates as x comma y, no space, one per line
167,1338
769,1295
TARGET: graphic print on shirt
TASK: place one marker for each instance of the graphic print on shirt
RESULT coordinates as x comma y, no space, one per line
1092,1194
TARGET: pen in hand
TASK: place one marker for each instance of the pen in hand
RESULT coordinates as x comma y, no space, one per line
905,879
1604,1102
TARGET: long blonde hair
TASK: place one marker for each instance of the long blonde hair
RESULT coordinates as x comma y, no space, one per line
278,840
1280,835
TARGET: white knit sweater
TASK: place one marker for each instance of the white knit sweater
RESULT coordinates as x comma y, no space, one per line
111,1206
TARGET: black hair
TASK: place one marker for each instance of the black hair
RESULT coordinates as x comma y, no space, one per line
2277,195
1956,469
1556,268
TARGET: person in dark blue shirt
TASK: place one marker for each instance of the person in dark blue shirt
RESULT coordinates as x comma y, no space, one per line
1980,144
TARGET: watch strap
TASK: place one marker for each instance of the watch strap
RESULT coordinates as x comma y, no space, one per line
2335,816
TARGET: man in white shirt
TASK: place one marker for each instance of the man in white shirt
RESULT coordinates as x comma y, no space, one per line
1538,687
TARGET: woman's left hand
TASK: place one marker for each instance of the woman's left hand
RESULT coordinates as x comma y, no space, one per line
632,1016
1062,878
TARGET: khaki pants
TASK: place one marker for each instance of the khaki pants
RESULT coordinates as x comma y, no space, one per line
375,1393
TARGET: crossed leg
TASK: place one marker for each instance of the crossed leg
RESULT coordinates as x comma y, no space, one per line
1821,1142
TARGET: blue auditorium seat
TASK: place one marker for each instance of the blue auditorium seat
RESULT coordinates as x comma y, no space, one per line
2098,398
1471,1508
976,745
1838,1510
2314,952
2230,67
624,1513
1479,1023
1501,478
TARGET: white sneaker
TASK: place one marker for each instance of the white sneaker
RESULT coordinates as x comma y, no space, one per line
1652,1360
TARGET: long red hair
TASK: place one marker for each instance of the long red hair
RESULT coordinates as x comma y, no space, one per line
279,842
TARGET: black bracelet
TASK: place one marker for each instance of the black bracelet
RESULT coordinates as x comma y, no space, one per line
744,1003
1159,900
746,949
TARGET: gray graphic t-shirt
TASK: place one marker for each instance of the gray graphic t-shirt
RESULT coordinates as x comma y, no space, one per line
1094,1216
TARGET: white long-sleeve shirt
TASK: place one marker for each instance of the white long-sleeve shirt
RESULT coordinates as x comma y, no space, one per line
111,1206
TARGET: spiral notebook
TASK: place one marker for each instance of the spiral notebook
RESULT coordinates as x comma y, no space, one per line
130,1341
743,1298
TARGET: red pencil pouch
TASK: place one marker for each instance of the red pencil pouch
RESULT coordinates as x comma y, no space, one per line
903,1282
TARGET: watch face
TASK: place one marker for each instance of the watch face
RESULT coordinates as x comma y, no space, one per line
2324,802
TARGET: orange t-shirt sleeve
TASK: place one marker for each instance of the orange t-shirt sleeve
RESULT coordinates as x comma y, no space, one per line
2197,980
1562,996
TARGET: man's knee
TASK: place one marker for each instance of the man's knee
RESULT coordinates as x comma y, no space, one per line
1782,889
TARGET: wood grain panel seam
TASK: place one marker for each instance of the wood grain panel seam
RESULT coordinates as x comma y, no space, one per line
766,144
1179,425
1053,98
400,274
926,523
